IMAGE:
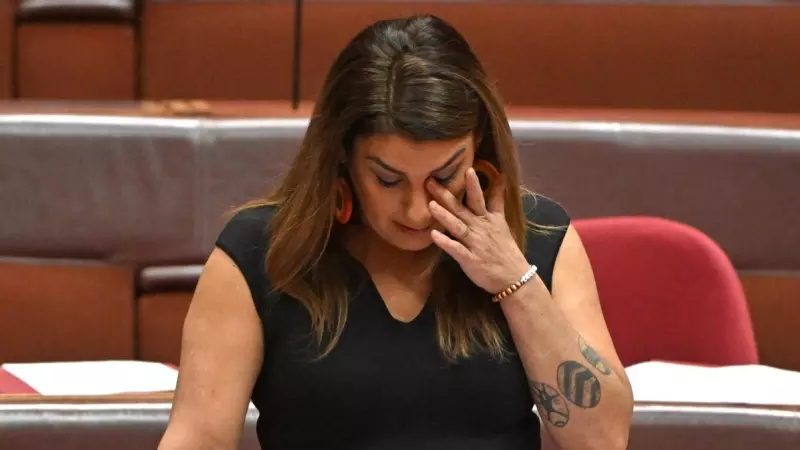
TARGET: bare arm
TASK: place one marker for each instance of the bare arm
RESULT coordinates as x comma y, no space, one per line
576,377
577,380
221,356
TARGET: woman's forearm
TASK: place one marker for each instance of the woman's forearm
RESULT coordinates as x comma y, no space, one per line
583,402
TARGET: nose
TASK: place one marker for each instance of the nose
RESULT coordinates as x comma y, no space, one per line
417,212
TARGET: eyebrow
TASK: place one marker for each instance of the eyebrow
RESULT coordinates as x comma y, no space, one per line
447,163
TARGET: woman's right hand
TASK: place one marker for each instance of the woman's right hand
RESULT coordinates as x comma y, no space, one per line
221,356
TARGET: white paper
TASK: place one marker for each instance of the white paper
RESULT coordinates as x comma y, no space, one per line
95,377
657,381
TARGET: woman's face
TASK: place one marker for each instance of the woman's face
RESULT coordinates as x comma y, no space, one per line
389,173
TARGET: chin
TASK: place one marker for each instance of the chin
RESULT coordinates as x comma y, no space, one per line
412,244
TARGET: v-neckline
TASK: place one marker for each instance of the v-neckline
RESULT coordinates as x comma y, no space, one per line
369,282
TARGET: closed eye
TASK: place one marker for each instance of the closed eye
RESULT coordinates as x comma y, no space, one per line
445,180
387,183
391,183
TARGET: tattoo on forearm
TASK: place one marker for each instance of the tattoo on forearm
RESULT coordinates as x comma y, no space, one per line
593,357
578,384
551,403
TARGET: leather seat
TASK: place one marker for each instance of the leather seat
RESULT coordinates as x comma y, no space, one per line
668,292
93,423
7,8
709,427
77,50
645,55
86,200
218,50
56,310
139,422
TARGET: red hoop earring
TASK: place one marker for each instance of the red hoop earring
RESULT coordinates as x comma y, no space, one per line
487,173
344,202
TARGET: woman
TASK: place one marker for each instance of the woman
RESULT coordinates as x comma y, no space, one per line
380,299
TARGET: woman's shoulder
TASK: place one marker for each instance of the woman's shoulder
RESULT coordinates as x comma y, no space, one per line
548,222
245,239
247,228
544,211
252,215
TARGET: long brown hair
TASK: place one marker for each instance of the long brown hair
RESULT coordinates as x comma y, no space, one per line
416,76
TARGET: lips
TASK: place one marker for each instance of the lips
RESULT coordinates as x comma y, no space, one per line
414,230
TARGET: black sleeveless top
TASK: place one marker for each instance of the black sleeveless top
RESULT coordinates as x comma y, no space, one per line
385,385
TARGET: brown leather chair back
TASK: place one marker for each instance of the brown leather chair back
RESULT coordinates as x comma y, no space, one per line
7,8
609,54
218,50
77,50
85,201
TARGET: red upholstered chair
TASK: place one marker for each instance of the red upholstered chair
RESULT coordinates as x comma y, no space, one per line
668,292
